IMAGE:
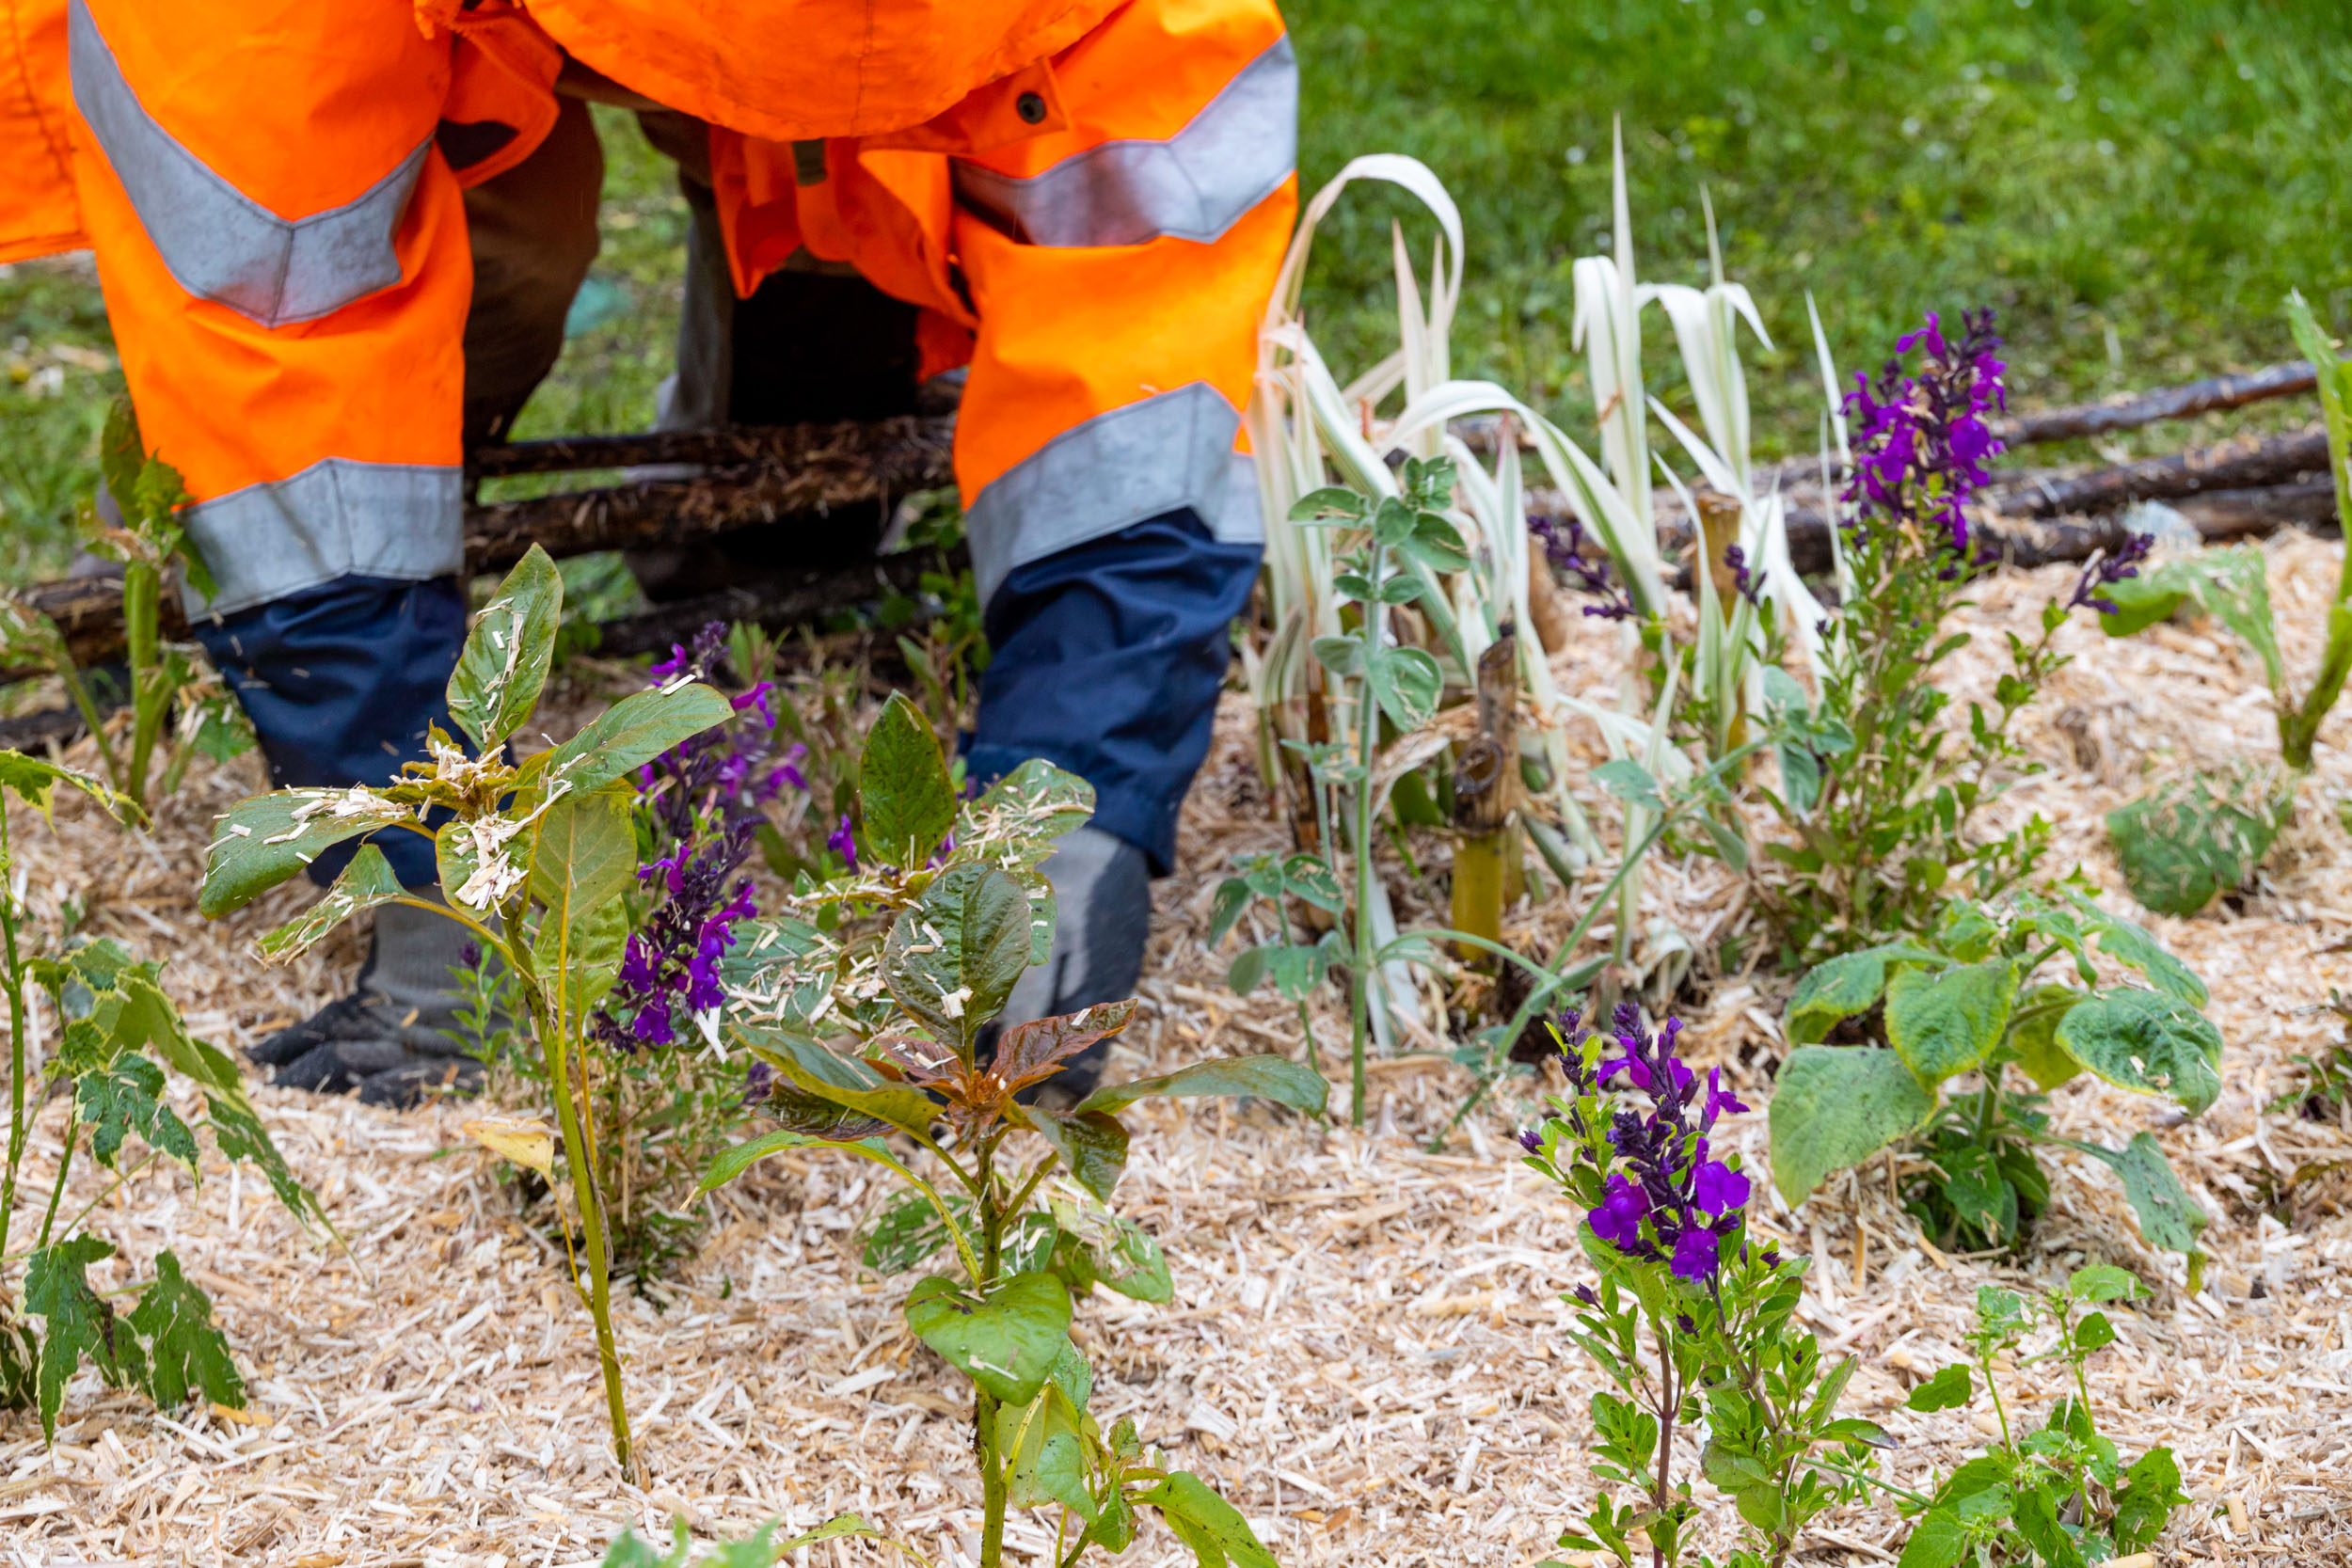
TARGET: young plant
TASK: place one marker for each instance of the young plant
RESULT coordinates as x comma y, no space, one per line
147,541
118,1032
2061,1497
757,1550
535,859
2189,841
1972,997
1880,794
911,955
1666,1228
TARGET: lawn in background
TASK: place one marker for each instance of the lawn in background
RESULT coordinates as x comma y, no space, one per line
2132,184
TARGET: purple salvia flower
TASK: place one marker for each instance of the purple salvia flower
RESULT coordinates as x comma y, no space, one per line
2106,569
842,842
1696,1254
1566,546
1719,1189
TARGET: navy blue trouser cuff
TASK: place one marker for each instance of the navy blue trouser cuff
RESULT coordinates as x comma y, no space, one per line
1106,659
340,682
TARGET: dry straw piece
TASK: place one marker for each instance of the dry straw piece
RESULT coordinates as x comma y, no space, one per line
1366,1350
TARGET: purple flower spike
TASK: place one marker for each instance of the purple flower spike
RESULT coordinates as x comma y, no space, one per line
843,843
1618,1220
2107,568
1921,442
1531,1140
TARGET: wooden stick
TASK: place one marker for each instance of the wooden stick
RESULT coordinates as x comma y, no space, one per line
2243,464
2170,403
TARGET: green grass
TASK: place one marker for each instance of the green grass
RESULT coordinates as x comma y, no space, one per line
2134,185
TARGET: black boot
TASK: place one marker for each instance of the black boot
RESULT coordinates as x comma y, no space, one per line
1103,902
392,1038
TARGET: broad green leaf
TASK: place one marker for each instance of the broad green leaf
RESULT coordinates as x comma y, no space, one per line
1629,781
1332,502
1248,969
1842,988
734,1160
906,798
908,1233
1937,1541
952,958
2127,942
2103,1282
1342,655
2093,1332
34,778
1211,1527
1020,817
504,663
631,733
1092,1144
1835,1106
2190,840
811,1069
632,1551
1275,1078
126,1096
1005,1340
265,840
185,1354
1309,878
2034,1039
75,1320
1945,1023
481,861
1406,682
2169,1217
817,1117
239,1132
592,953
582,860
1116,1252
2151,1490
366,882
2147,1042
1949,1389
1043,1442
1233,897
2230,585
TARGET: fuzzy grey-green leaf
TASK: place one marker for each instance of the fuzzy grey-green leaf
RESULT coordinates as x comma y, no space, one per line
504,664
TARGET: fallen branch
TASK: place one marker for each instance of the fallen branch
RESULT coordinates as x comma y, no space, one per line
2239,465
2145,409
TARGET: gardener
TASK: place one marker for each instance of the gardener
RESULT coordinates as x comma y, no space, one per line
338,244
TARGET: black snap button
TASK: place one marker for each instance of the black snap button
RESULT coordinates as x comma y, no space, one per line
1030,107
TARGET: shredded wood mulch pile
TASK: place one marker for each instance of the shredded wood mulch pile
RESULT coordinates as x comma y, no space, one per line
1367,1351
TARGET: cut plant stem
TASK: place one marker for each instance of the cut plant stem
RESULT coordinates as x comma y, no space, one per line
1483,778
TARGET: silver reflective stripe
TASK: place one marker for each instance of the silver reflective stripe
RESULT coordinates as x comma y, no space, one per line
1172,451
336,518
1235,152
220,243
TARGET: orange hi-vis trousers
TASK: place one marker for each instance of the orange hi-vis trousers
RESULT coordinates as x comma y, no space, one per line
275,192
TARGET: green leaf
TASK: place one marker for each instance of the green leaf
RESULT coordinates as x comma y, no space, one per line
1436,544
1116,1252
366,882
2190,840
1842,988
735,1159
2147,1042
126,1096
2093,1332
631,1550
1249,968
1949,1389
2034,1042
952,958
1005,1340
1342,655
1042,1443
1092,1144
907,1234
76,1322
34,778
905,795
2232,585
1835,1106
1211,1527
1309,878
591,957
1937,1541
1407,683
1233,897
1629,781
2103,1282
1852,1429
839,1080
504,663
631,733
2127,942
1275,1078
241,1137
582,860
2168,1216
1945,1022
265,840
1332,503
185,1354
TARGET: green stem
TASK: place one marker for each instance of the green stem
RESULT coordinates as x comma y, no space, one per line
150,695
985,1405
75,1222
65,1163
76,688
1367,735
1887,1486
13,981
555,1049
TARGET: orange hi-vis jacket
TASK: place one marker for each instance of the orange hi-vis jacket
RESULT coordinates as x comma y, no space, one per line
1087,198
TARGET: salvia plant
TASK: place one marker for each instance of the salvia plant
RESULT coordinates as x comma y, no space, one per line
1692,1319
119,1040
1880,794
869,1010
2012,994
2193,838
2059,1497
536,857
145,537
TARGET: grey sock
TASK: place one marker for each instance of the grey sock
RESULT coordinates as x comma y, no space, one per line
1103,912
410,959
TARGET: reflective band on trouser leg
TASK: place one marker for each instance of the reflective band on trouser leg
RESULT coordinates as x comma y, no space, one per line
1193,185
1165,453
220,243
336,518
